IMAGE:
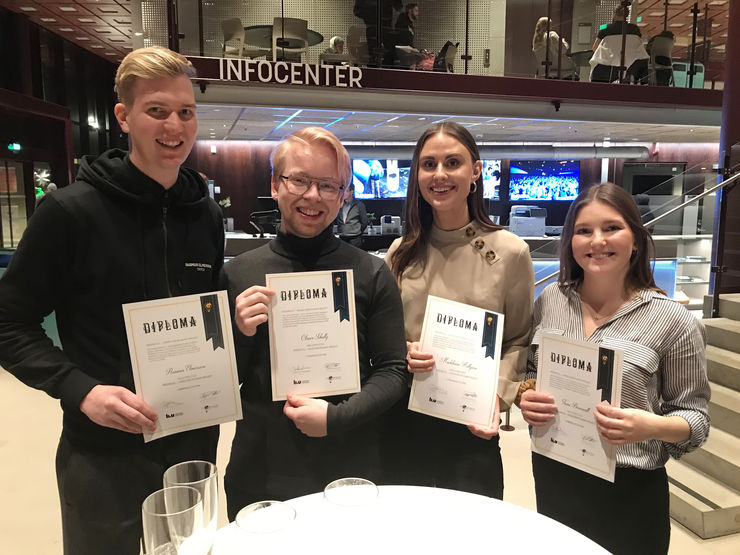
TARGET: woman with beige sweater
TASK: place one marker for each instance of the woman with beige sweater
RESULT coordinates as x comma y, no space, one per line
450,249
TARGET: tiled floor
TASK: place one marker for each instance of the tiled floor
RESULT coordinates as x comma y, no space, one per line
29,513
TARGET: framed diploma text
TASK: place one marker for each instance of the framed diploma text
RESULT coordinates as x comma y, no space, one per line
182,356
579,375
466,344
313,334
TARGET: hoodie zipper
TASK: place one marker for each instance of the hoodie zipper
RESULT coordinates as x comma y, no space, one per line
164,232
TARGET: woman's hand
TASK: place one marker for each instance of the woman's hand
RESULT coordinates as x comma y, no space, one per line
623,426
490,431
538,407
419,362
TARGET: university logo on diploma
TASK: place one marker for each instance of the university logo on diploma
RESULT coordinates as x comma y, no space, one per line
182,356
313,334
579,375
466,344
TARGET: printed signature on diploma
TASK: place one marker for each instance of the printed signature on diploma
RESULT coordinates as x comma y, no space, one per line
331,365
574,405
300,368
210,394
170,404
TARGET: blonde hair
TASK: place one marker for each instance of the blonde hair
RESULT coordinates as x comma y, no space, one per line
539,31
153,62
310,136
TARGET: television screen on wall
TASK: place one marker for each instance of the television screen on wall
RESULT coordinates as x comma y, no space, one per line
492,179
543,179
374,178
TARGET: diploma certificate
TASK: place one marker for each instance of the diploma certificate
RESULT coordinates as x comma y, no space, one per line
182,356
313,334
466,343
579,375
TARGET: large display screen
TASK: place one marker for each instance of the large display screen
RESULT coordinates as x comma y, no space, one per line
380,178
492,179
543,179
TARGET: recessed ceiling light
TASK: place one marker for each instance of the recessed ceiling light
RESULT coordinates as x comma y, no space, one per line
27,9
676,24
95,46
82,38
67,9
656,14
137,34
66,29
48,20
85,20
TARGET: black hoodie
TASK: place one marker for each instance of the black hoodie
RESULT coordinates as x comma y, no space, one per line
114,236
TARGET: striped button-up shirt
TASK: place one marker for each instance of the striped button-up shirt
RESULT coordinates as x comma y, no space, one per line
664,362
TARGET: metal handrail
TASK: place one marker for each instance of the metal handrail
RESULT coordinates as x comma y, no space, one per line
654,221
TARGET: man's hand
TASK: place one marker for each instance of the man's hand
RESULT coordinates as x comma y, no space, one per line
116,407
251,308
418,361
308,415
538,407
490,431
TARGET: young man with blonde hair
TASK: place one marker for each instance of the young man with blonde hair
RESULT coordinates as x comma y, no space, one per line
134,226
283,450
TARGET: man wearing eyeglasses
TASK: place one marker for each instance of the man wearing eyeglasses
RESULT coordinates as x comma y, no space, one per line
283,450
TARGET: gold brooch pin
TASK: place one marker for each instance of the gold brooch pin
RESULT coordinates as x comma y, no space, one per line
478,244
469,231
208,306
490,257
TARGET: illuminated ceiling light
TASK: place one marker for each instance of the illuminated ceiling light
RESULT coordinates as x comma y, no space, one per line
85,20
48,20
82,38
137,34
656,14
95,46
66,29
27,9
67,9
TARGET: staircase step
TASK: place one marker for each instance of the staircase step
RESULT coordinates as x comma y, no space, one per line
723,367
719,458
700,503
723,333
724,409
729,306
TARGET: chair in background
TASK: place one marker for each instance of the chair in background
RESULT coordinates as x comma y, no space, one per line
580,60
233,31
289,38
661,64
609,54
357,45
445,60
567,68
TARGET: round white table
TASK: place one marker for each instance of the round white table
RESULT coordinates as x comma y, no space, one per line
412,520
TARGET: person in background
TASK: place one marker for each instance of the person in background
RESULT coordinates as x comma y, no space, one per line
284,450
450,249
352,219
606,62
406,23
336,46
378,18
548,47
606,294
134,226
40,193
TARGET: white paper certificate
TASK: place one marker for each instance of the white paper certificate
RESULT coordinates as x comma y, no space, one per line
466,343
182,355
313,334
579,375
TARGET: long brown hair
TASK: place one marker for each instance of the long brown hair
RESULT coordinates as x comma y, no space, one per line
639,274
418,213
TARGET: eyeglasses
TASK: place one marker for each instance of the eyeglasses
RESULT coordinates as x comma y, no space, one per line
300,184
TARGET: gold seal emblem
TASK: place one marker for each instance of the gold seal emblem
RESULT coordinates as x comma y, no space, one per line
338,280
489,320
604,359
209,306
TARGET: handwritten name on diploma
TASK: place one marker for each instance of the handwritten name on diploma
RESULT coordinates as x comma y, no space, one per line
320,336
186,368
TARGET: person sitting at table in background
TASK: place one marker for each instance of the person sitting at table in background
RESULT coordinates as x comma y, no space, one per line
606,294
550,49
606,59
352,219
284,450
450,249
106,241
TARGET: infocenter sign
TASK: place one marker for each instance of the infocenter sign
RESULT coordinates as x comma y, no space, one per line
288,73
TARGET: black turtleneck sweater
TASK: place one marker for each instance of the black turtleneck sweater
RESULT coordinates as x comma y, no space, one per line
380,335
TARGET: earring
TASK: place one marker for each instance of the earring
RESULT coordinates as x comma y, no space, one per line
473,187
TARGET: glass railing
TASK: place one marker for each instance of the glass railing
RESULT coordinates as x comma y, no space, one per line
682,235
575,41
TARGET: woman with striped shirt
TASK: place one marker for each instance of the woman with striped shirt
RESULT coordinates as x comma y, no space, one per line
606,294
